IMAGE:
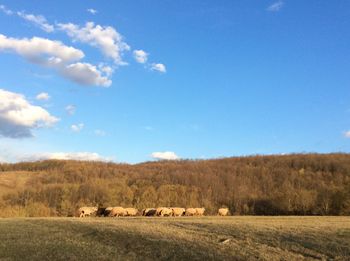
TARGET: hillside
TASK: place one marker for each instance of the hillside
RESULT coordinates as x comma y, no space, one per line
301,184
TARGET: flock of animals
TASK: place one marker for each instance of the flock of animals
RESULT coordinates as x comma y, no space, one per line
148,212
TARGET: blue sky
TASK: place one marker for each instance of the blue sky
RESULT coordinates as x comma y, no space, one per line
133,81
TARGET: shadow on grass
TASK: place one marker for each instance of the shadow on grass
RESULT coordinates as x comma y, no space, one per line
43,239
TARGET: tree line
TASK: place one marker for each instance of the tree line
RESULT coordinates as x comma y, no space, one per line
298,184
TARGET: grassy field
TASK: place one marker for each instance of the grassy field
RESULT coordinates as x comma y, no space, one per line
185,238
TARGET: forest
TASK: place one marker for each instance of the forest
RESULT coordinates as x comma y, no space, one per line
296,184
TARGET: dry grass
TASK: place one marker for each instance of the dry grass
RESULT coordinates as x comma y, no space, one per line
185,238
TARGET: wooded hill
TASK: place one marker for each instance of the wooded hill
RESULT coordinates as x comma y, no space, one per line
300,184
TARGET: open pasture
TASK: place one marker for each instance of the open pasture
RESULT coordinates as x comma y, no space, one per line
176,238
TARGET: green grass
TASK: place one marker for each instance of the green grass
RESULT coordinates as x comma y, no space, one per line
185,238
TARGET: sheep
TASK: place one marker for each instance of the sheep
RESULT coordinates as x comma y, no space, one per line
131,211
190,212
117,212
86,211
200,211
166,212
223,212
177,212
148,212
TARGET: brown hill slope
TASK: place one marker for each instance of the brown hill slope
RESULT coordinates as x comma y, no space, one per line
301,184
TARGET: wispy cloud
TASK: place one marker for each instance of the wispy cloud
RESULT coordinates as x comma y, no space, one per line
84,156
44,96
70,109
9,152
347,134
100,133
77,127
92,11
158,67
38,20
5,10
275,7
41,75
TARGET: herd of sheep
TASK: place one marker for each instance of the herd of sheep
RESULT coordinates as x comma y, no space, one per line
148,212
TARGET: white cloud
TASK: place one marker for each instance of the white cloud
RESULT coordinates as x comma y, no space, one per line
16,150
275,7
158,67
100,133
107,39
140,56
86,74
54,54
166,155
44,96
347,134
40,50
77,127
5,10
92,11
18,117
84,156
38,20
70,109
